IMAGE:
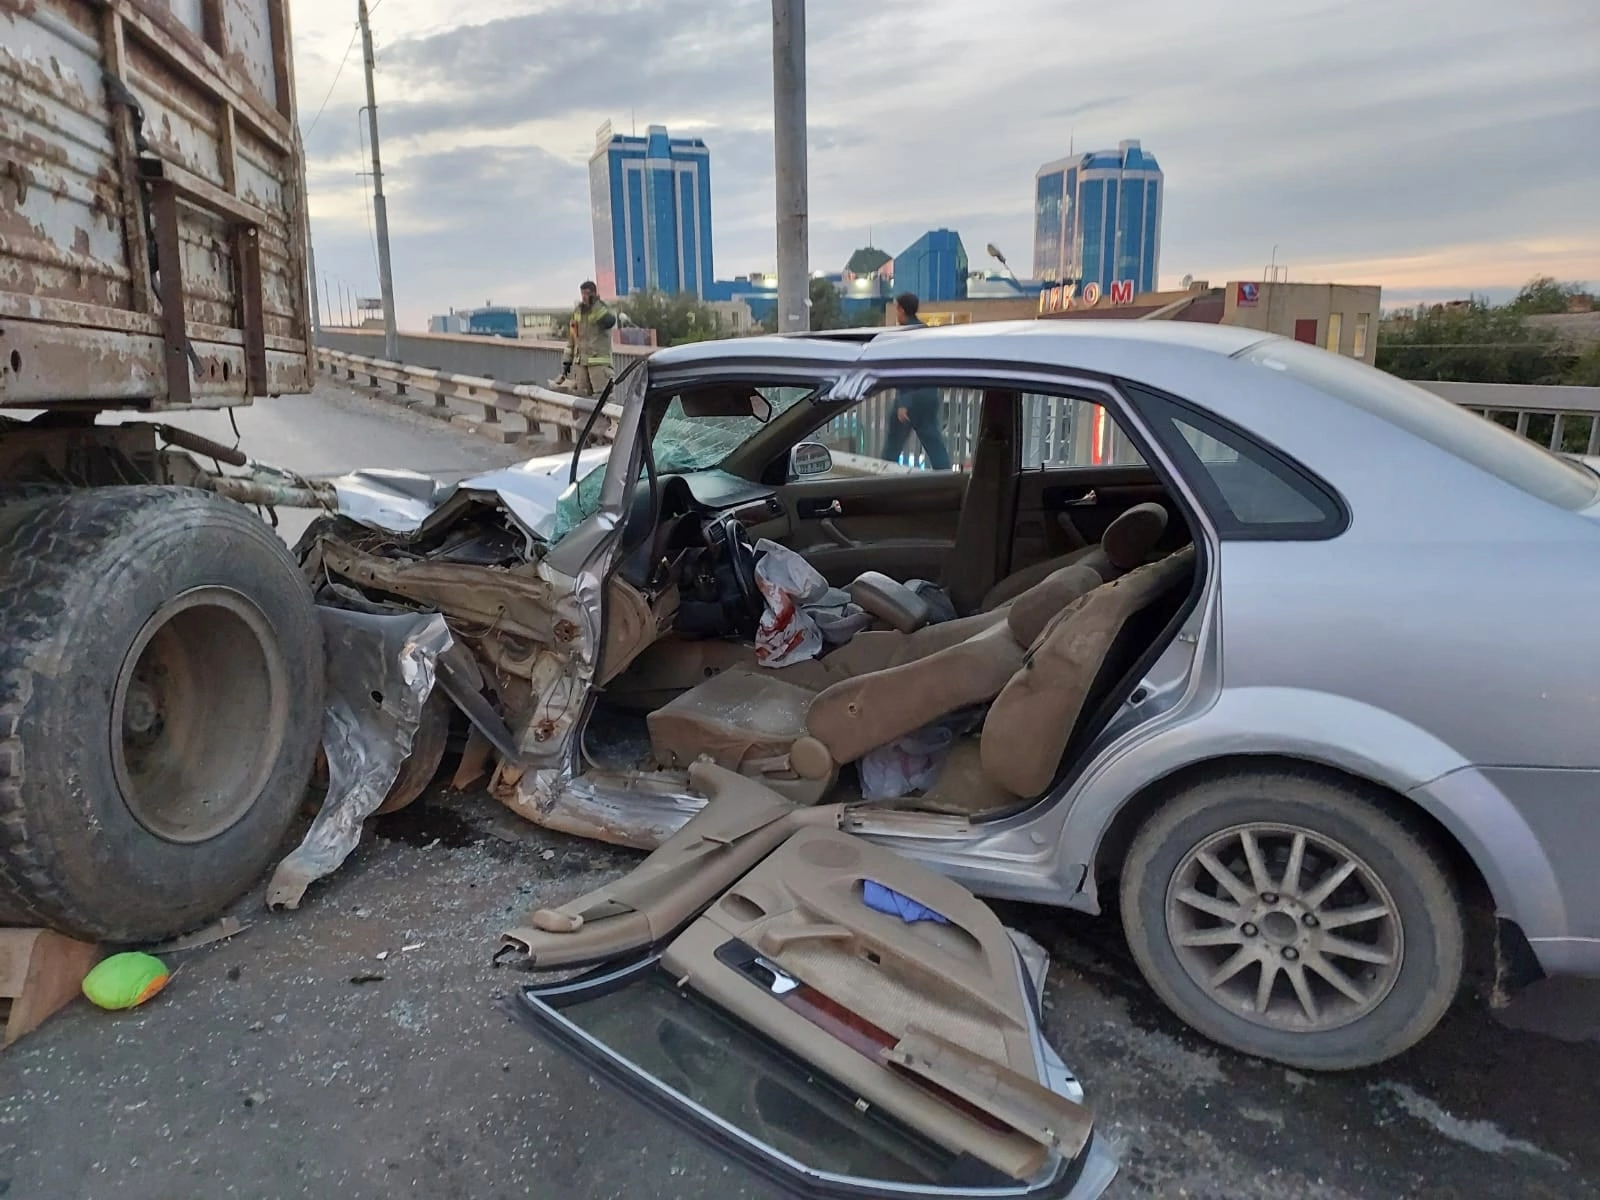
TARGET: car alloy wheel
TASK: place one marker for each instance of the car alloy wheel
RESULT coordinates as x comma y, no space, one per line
1284,926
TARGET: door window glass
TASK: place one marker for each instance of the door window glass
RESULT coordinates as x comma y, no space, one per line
1065,431
924,428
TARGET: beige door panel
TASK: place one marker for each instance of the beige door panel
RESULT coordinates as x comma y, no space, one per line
902,525
929,1019
1061,510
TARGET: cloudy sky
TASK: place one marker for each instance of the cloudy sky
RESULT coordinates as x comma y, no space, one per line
1433,146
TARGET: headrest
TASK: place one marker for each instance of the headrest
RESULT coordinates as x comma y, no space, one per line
1131,538
1037,607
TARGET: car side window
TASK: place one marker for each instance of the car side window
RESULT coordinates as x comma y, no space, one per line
1252,492
1066,431
931,428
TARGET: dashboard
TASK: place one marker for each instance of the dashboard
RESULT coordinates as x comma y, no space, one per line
704,493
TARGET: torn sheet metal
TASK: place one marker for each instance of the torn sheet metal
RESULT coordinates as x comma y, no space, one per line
403,502
639,811
381,670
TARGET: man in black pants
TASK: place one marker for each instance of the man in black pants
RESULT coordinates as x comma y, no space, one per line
917,410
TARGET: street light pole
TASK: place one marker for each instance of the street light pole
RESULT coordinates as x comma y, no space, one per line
789,145
391,336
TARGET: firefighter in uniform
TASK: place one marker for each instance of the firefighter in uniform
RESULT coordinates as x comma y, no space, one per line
587,366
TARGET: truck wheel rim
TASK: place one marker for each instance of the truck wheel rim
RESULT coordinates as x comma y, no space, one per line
199,715
1286,927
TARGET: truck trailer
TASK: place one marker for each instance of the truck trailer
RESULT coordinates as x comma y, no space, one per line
161,665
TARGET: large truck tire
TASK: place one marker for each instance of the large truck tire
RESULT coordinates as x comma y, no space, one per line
161,683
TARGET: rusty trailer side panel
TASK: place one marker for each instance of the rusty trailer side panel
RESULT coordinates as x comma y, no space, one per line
152,205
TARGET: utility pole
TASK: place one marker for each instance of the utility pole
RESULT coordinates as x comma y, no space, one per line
311,280
789,145
391,336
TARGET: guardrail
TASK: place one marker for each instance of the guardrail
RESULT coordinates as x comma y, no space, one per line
537,415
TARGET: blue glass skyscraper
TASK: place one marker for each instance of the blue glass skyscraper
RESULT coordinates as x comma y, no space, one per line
934,267
1097,218
651,201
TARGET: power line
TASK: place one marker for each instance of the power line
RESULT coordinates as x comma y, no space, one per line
354,34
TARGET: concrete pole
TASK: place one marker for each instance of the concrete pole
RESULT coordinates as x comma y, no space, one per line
789,144
391,336
311,280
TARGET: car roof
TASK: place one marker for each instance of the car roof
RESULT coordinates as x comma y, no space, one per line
1083,345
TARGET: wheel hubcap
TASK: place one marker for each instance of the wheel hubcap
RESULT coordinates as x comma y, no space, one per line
199,715
1285,927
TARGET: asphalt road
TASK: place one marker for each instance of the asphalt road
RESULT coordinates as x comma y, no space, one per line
338,429
265,1071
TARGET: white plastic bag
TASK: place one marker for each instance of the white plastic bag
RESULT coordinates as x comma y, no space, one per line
911,764
787,582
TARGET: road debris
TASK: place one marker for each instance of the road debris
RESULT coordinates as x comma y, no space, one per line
381,670
220,931
40,973
125,980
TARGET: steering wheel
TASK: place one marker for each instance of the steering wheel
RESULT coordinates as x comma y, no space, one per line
735,542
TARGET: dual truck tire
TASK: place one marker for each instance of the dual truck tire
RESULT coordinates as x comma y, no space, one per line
161,687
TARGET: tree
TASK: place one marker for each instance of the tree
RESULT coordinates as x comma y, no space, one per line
827,312
676,318
1474,343
1545,295
1585,369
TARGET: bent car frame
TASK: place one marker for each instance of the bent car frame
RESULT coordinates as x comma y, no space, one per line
1281,668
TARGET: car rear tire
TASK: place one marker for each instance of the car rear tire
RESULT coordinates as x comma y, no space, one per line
161,681
1293,919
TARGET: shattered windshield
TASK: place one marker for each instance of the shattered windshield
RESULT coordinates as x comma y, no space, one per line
682,444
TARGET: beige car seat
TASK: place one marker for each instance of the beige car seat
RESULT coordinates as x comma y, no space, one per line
1127,543
1038,668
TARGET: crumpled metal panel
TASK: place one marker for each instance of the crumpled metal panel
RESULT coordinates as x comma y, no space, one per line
405,501
562,705
524,602
636,811
381,670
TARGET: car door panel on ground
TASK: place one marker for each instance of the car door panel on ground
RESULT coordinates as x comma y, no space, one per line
840,1019
903,525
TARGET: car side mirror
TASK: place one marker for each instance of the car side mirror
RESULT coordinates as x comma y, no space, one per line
809,460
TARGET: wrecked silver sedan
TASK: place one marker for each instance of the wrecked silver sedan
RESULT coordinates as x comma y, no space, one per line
1015,673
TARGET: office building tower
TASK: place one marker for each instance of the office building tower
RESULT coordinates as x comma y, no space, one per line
651,201
1097,218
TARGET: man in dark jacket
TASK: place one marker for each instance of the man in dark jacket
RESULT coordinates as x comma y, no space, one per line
587,366
916,410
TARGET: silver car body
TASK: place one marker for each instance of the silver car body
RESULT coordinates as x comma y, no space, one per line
1436,647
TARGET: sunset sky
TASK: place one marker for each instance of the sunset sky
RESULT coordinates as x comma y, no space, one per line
1434,148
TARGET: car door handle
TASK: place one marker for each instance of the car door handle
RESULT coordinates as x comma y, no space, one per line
812,509
1086,500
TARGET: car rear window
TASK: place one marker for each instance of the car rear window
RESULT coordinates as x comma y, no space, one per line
1456,430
